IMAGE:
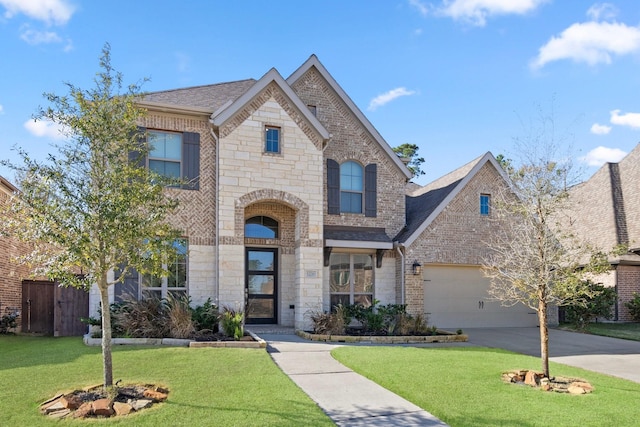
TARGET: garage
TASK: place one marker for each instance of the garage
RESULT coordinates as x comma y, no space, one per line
456,297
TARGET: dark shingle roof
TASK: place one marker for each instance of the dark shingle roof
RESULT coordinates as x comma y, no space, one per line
359,234
210,97
420,207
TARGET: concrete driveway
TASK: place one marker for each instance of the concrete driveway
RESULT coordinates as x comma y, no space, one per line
611,356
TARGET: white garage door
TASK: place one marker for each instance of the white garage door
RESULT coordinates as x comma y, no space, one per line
456,297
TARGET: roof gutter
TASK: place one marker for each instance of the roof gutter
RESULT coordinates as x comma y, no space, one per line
399,248
217,227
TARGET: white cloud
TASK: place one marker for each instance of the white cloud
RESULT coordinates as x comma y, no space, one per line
476,12
34,37
599,129
605,11
56,12
44,128
421,7
601,155
627,119
590,42
387,97
1,110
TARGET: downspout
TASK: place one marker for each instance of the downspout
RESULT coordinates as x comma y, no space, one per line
402,291
217,227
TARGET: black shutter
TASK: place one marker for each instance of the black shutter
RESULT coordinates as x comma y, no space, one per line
128,288
138,156
191,160
333,187
370,190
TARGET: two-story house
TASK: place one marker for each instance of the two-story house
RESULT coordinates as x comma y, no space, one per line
295,203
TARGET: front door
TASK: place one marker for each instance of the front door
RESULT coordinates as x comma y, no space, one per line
261,285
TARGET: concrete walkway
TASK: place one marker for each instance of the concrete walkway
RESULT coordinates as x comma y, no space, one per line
349,399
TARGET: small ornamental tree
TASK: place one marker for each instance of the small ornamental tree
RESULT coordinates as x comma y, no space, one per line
535,259
91,208
598,305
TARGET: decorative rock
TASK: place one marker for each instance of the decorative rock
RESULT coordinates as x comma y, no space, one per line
44,405
122,408
586,386
71,401
156,396
103,408
140,403
83,411
531,378
55,406
60,414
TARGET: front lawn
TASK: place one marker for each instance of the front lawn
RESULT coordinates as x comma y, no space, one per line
227,387
462,386
627,331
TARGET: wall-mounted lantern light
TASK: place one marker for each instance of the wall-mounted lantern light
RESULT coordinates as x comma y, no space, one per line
416,267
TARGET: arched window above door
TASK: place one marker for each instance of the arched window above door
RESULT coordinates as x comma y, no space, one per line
261,227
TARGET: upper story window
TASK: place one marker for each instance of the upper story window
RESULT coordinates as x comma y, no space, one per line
261,227
272,139
351,187
485,204
165,153
313,109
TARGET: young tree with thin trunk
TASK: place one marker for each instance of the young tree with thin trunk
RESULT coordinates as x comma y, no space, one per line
535,259
91,208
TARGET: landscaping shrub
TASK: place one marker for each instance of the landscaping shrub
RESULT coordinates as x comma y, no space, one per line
381,320
179,317
634,306
232,323
206,316
8,322
600,305
333,323
145,318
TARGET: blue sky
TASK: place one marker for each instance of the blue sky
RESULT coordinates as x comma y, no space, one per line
456,77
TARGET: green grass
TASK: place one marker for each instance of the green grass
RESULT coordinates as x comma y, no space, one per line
226,387
462,386
627,331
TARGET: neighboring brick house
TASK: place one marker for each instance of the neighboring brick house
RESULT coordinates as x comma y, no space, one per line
11,273
606,214
295,203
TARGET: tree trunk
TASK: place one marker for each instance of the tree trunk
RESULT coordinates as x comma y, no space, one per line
107,364
544,336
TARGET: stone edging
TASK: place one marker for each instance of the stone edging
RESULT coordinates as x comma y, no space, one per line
257,343
385,339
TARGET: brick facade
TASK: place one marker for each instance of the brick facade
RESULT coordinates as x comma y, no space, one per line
351,141
457,236
11,271
628,283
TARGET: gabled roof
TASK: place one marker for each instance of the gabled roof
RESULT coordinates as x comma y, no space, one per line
6,186
313,62
425,204
207,97
607,205
228,110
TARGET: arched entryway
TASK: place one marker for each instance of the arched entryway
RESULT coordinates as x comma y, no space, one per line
261,270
